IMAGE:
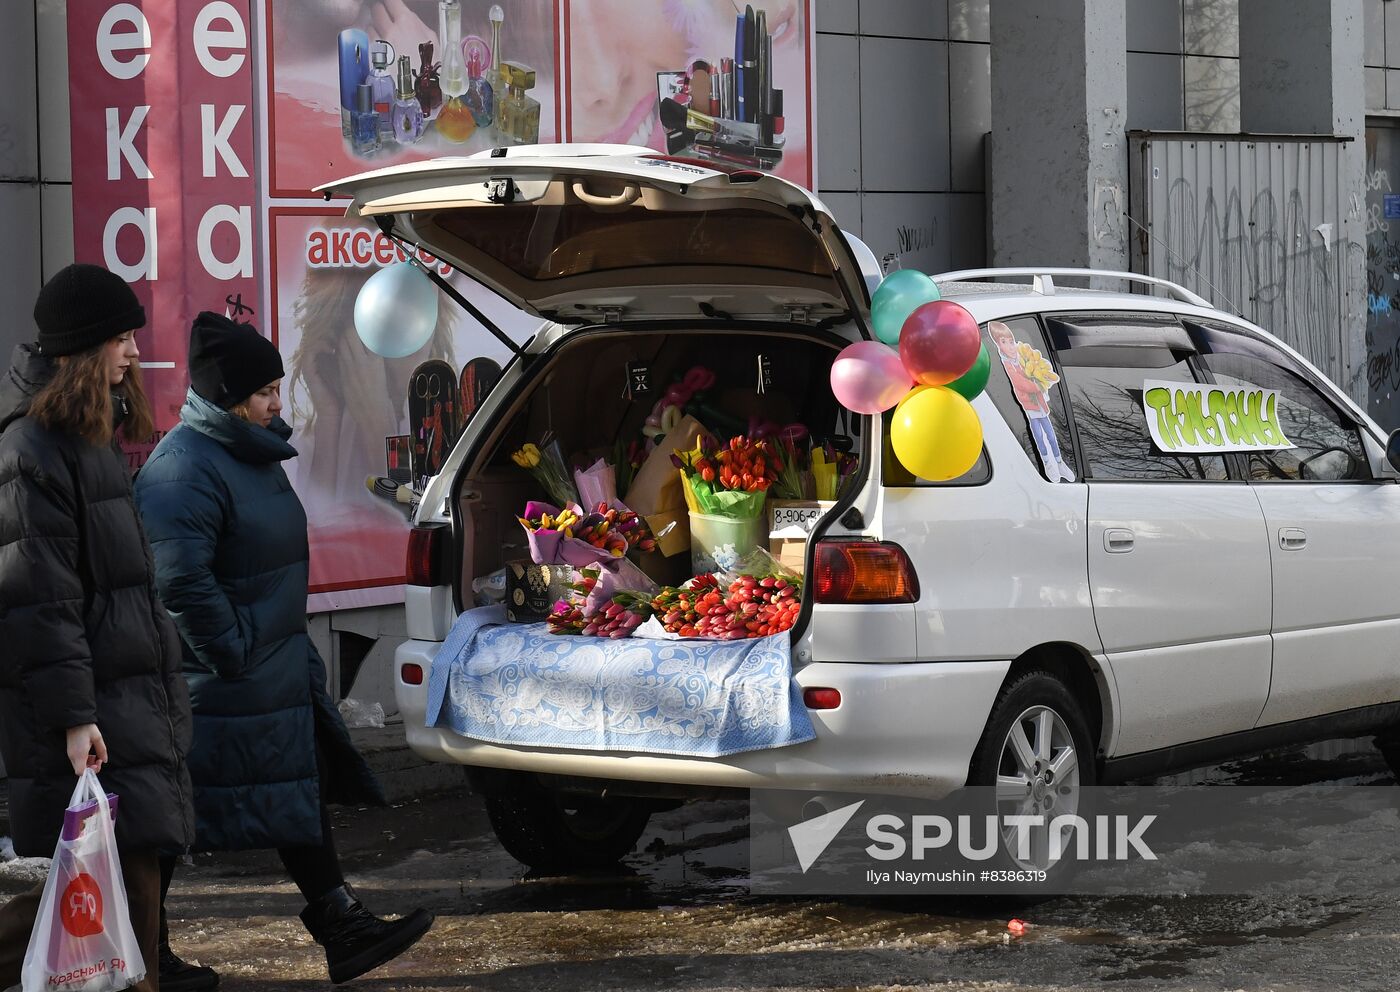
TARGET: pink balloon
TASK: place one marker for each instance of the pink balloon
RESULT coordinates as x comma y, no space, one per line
868,377
939,343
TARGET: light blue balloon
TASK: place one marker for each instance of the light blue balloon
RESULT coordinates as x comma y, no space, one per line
396,311
900,294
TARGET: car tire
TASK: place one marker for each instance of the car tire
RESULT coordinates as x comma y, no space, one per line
555,833
1052,722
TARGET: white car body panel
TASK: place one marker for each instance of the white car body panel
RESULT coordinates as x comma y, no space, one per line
900,729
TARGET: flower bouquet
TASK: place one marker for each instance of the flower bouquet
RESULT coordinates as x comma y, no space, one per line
546,463
570,536
831,470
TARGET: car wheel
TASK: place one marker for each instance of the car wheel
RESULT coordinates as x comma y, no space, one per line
555,832
1037,754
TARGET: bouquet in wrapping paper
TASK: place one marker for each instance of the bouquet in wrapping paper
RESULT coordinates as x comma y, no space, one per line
609,600
598,484
729,481
569,536
831,470
546,463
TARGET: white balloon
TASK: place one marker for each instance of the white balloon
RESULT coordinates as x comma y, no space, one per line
396,311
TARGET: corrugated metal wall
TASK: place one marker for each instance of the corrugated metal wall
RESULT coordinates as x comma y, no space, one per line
1260,226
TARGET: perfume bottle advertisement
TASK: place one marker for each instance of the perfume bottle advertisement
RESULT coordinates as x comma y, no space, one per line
343,400
716,80
442,77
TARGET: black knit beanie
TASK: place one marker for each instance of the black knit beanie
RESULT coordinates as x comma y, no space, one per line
230,361
84,306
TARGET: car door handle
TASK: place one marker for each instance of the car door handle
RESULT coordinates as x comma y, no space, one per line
1292,538
1117,541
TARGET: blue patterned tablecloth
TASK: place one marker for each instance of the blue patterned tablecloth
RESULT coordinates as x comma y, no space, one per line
518,684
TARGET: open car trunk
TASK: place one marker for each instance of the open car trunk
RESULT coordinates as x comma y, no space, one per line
578,395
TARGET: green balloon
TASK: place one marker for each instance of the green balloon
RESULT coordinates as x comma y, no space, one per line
900,294
974,380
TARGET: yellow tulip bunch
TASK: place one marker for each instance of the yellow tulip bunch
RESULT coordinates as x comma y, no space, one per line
547,466
1035,365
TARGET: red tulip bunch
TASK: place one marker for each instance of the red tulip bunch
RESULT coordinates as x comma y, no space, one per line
748,607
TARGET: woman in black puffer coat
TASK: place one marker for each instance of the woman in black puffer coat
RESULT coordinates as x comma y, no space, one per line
90,669
230,543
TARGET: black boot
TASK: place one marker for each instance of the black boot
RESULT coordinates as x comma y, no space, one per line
177,975
356,940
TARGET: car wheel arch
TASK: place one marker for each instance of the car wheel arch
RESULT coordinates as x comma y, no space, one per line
1082,674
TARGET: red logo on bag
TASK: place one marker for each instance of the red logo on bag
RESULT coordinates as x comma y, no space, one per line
80,908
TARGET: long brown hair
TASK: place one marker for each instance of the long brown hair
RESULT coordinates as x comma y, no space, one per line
79,400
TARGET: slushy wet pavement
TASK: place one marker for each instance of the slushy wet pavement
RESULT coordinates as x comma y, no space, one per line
678,915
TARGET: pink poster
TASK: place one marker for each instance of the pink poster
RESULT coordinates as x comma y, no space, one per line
163,186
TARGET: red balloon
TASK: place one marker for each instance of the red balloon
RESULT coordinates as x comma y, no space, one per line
939,343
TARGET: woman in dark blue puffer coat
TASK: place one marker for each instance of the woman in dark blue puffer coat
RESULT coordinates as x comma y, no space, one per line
230,542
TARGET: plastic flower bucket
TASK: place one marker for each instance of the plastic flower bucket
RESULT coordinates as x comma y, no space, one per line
716,543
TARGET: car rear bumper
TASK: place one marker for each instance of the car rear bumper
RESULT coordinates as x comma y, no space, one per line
901,729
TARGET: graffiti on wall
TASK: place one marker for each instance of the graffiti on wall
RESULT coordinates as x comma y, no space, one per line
1382,282
1270,259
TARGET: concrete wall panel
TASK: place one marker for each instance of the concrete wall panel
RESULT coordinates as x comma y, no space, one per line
838,112
904,115
56,202
970,113
55,155
1154,92
19,117
1154,26
838,15
970,20
19,261
904,18
915,226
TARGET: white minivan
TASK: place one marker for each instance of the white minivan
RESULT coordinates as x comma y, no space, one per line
1087,605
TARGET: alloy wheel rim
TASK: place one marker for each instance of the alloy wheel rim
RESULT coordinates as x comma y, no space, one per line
1037,775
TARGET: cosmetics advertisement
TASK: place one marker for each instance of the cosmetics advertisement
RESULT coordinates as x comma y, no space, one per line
345,402
713,80
356,86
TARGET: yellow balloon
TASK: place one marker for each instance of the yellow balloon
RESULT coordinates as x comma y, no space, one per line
936,434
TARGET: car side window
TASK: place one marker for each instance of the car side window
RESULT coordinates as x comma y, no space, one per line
897,476
1105,362
1327,445
1025,386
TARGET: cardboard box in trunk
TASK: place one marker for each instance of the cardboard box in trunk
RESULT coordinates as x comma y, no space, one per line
790,523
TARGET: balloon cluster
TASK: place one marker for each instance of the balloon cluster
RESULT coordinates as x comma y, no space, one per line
927,364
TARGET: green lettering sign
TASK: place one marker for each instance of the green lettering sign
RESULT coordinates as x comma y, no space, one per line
1198,418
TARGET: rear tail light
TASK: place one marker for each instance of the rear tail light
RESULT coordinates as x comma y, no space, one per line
411,673
863,572
426,556
821,699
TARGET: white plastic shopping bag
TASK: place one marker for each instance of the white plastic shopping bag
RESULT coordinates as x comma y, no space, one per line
82,939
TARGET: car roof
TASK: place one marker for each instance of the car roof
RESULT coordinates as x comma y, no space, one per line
1004,300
